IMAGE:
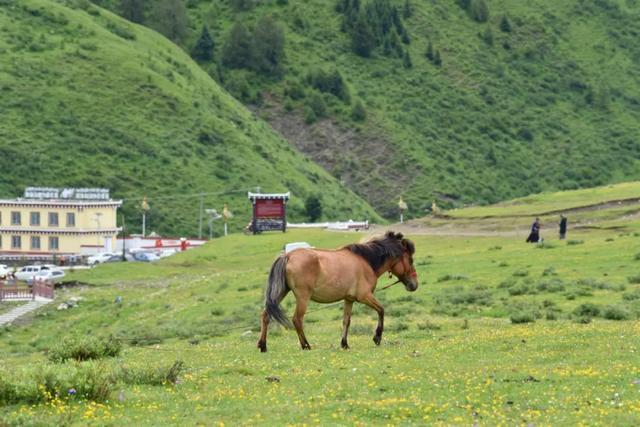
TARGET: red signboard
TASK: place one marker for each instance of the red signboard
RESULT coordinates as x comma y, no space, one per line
269,208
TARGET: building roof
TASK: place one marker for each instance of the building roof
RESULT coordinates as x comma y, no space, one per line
271,196
59,203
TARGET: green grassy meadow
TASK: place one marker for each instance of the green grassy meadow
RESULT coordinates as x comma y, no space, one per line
499,333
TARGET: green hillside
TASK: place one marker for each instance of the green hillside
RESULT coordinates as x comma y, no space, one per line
89,99
542,95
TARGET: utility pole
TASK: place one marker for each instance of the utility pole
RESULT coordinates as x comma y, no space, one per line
145,207
200,216
124,235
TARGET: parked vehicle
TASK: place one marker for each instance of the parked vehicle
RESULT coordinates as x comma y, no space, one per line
145,257
99,258
28,271
53,275
167,252
4,271
114,258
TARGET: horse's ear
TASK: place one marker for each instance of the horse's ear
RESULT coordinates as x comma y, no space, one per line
408,246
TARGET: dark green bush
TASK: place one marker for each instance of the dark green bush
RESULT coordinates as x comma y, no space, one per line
587,310
612,312
522,317
329,82
634,279
630,296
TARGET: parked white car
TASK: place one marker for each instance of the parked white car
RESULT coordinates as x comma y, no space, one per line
99,258
28,271
53,275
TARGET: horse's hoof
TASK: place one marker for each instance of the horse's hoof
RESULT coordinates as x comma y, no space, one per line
344,345
262,346
306,346
377,339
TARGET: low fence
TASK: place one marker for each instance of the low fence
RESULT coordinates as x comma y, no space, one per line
15,292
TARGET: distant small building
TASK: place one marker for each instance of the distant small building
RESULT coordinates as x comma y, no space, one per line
269,211
52,222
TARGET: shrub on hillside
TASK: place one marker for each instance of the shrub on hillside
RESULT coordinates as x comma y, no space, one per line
84,348
631,296
478,10
317,104
358,112
522,317
588,309
505,24
521,273
634,279
294,90
613,312
329,82
309,115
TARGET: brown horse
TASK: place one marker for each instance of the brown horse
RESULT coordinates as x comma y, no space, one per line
325,276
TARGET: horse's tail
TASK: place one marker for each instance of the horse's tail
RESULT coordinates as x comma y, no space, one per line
276,289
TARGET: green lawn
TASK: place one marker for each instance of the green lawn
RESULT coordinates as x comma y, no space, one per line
450,354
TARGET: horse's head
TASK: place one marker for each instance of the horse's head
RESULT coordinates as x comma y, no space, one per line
404,269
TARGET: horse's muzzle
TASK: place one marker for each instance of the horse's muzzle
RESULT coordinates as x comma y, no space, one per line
410,284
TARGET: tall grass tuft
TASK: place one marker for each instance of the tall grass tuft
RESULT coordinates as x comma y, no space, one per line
84,348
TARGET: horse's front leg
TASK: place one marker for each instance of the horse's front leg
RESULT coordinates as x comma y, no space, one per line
301,309
372,302
346,321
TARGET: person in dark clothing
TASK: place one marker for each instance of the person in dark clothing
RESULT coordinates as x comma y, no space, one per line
534,236
563,226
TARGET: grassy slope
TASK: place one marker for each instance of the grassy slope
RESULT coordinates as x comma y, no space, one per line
433,366
554,202
89,99
492,123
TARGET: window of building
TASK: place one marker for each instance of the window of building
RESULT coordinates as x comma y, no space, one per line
35,242
53,219
16,218
34,218
71,219
53,244
16,242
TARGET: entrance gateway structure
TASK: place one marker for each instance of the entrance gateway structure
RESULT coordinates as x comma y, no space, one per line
269,211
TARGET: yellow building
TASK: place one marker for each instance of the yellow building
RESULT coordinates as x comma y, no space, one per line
49,222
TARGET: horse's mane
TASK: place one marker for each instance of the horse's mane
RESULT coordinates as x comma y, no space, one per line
377,251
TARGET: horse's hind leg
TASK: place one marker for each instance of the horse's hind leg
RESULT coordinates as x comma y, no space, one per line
372,302
264,328
262,342
301,308
346,321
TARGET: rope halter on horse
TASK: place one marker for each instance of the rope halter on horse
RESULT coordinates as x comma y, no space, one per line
404,267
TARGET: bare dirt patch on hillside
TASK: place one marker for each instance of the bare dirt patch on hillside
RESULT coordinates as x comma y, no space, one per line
362,160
